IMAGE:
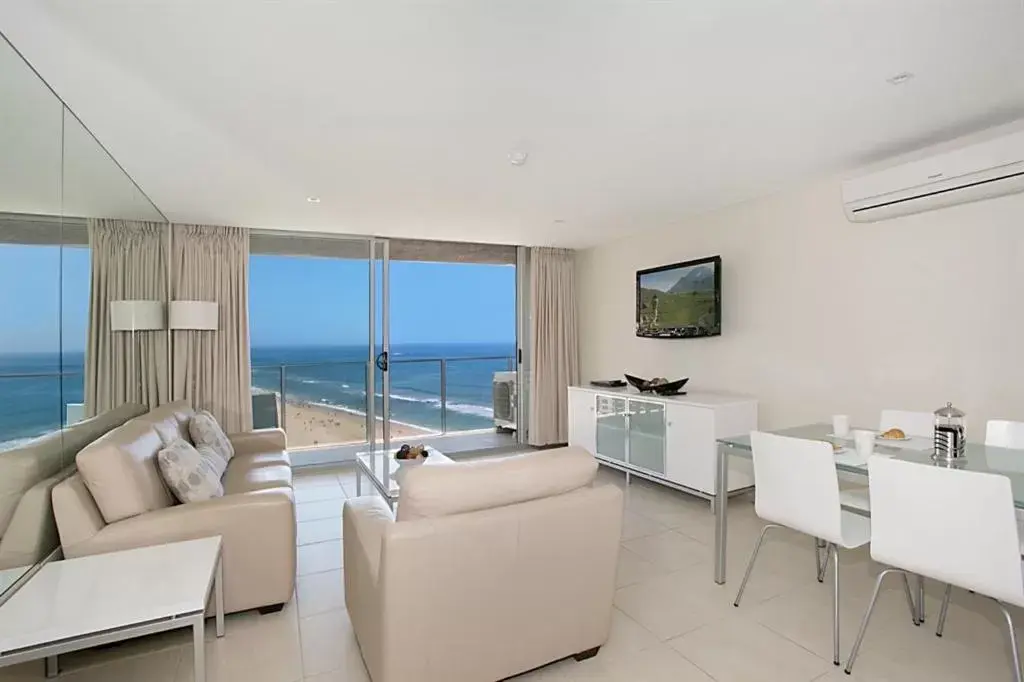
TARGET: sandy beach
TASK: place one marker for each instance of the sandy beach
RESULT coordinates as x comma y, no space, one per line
309,424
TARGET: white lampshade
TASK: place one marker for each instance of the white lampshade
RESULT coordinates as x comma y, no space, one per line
200,315
134,316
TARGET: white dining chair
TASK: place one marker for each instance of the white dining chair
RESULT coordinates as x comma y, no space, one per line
796,487
957,527
914,424
1004,434
999,433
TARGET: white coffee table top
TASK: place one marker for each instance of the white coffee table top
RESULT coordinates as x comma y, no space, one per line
78,597
374,464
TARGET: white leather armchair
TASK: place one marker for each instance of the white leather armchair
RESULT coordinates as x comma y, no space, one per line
492,568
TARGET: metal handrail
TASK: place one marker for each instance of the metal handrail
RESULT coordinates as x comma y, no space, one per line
39,375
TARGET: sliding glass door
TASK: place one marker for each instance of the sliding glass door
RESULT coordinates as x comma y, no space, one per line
311,339
364,345
452,335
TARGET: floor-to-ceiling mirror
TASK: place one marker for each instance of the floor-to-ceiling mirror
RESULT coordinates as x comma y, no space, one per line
55,179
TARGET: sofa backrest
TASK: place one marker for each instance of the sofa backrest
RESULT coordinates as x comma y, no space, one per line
120,469
23,467
432,491
32,534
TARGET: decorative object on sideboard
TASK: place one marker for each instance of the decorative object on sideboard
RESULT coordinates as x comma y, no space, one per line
657,385
608,383
411,453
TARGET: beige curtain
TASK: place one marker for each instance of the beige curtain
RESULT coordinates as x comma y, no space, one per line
129,262
555,355
211,368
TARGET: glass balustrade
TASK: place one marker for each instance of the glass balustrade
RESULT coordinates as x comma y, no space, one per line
324,403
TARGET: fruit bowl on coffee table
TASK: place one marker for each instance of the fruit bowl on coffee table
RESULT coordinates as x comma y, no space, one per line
657,385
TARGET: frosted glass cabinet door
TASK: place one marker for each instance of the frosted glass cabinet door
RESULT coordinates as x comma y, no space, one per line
647,435
611,427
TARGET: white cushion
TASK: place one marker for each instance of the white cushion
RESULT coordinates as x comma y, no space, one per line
192,473
205,430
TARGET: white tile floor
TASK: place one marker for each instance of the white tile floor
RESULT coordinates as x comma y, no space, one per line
671,622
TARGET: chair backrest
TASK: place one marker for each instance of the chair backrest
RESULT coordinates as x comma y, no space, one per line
958,527
796,485
921,424
1005,434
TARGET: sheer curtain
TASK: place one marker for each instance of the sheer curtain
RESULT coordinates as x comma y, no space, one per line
211,369
553,333
129,262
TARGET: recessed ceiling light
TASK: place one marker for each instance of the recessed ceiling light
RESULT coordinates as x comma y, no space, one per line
518,157
900,78
313,200
559,221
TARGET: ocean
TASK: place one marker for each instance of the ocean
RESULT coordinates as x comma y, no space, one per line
334,376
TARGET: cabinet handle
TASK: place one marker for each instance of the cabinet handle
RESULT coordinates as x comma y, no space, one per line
668,423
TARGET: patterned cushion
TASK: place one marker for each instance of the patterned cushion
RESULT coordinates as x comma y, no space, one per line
205,430
193,474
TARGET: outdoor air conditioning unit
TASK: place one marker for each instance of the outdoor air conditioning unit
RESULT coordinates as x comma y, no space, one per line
505,401
971,173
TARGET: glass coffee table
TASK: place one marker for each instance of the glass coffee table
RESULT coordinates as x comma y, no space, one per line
381,467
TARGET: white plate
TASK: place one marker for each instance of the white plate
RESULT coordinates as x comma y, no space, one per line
882,438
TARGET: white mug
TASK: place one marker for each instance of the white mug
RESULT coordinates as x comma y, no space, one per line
865,441
841,426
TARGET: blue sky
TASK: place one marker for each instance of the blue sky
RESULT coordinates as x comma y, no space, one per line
293,301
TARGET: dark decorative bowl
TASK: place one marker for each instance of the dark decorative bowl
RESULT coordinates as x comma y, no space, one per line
667,388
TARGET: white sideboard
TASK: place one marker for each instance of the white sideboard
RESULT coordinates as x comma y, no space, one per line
668,439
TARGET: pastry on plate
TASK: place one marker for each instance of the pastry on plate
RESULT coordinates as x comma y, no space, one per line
894,434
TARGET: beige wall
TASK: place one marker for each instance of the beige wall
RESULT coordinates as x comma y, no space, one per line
823,316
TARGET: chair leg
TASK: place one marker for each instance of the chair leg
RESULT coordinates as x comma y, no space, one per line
910,599
1013,642
821,558
943,610
921,599
835,601
750,566
867,617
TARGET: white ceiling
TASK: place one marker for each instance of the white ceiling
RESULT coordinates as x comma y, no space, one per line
401,115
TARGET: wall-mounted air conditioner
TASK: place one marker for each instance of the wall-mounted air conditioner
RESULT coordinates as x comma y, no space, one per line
505,401
971,173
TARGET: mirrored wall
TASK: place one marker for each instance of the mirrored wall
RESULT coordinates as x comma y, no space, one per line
55,179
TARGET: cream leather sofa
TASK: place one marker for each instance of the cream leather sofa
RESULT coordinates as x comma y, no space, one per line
492,568
118,500
29,473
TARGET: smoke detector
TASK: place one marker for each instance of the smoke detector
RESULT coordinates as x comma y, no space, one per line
518,157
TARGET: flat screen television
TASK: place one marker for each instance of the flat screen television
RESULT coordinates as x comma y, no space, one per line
680,301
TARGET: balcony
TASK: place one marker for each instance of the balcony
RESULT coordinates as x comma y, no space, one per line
322,406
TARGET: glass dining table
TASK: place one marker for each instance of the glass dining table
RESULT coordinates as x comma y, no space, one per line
978,457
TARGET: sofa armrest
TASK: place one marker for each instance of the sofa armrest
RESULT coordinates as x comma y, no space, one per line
258,533
78,518
260,440
364,521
